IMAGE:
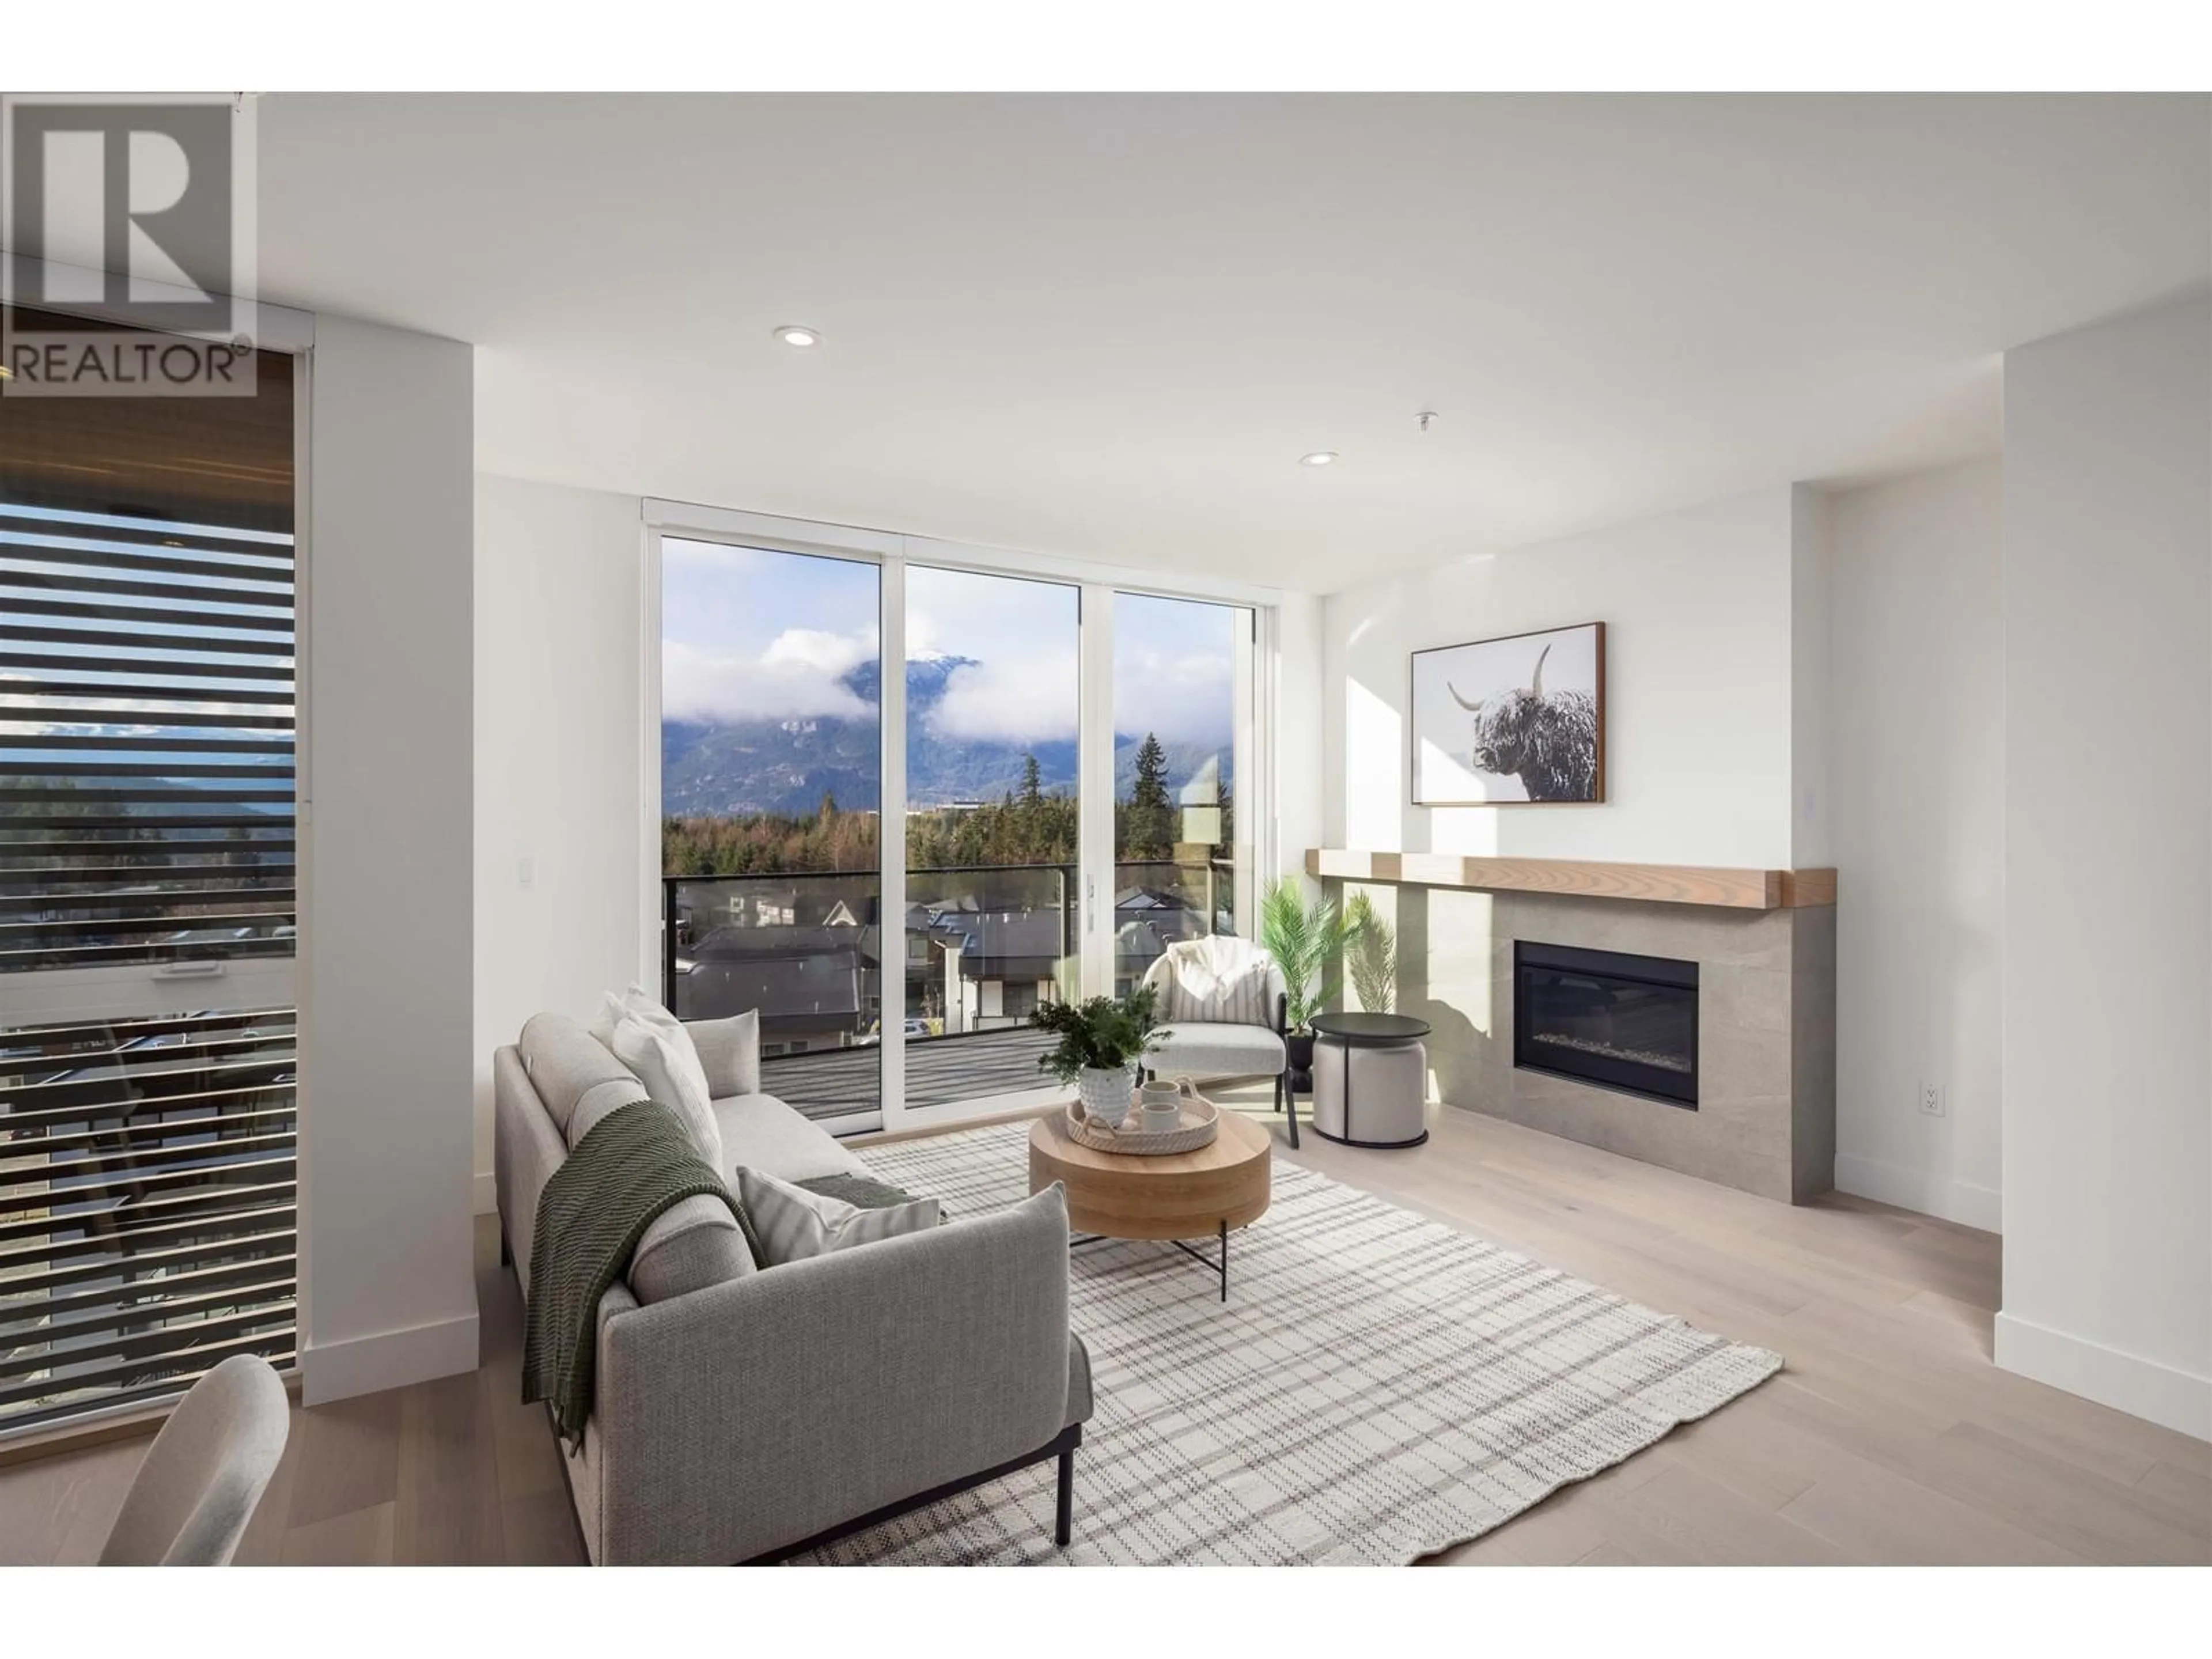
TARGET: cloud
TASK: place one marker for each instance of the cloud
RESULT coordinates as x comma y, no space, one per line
819,649
798,676
1185,696
1025,700
18,706
924,638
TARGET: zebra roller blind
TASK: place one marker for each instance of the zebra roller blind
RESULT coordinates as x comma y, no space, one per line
146,1205
147,794
147,850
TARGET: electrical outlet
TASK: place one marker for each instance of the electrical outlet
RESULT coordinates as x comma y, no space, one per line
1931,1100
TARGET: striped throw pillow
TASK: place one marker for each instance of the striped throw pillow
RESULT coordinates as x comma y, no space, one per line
1239,997
792,1223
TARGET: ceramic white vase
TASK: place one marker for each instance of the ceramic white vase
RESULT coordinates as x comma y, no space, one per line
1104,1092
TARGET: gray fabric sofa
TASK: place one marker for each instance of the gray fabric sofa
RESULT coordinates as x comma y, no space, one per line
770,1411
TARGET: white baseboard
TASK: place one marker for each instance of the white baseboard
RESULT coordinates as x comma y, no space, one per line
487,1193
2126,1381
1959,1201
389,1360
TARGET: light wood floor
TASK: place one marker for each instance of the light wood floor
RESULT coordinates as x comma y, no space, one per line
1888,1437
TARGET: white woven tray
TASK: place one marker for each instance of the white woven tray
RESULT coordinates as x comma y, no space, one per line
1201,1123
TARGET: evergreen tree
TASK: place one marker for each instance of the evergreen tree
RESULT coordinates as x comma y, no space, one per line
1032,784
1152,814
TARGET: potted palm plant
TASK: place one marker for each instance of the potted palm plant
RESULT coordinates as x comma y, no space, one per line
1371,955
1307,942
1101,1041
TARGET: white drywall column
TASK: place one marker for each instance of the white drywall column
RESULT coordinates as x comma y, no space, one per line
559,585
1298,762
1811,605
386,915
1916,802
2108,892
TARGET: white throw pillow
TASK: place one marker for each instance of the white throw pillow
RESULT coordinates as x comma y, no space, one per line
729,1053
668,1067
613,1004
792,1223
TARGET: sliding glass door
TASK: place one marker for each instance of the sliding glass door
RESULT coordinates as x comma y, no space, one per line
899,867
771,799
992,824
1182,710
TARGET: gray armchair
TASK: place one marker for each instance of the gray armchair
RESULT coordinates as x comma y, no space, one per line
1223,1009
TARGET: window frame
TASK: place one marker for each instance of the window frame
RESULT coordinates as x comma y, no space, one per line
128,991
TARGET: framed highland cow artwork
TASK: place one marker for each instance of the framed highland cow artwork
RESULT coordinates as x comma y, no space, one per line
1511,721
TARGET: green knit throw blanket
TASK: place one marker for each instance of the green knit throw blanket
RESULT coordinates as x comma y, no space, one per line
635,1164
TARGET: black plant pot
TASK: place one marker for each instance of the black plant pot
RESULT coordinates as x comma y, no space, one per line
1300,1045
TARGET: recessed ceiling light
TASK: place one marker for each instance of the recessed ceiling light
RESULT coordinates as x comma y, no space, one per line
796,334
1318,458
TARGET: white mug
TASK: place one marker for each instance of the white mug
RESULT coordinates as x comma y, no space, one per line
1162,1105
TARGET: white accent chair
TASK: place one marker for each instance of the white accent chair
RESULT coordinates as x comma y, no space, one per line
205,1472
1222,1004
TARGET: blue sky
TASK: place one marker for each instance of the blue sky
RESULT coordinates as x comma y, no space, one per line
754,635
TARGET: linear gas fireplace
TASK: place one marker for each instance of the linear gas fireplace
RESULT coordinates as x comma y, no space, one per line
1601,1017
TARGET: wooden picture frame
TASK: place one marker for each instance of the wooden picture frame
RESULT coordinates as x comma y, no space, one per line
1532,705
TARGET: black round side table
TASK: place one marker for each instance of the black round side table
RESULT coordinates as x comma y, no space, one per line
1388,1048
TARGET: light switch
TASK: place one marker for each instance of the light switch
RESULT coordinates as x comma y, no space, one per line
526,872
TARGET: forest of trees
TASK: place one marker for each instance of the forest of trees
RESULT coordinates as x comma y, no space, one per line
1027,825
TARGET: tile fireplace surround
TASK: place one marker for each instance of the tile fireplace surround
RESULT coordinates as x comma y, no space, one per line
1765,1118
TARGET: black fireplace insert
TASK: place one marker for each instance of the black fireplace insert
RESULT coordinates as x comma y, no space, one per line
1622,1022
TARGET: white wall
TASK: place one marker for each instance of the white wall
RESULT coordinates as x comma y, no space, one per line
387,926
1916,803
2108,893
1300,755
1699,622
559,577
1812,605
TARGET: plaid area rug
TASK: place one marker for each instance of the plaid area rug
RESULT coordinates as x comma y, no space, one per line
1379,1386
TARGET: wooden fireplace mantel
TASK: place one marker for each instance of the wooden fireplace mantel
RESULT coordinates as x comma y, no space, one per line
1655,884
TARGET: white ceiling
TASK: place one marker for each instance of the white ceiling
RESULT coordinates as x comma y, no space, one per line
1108,326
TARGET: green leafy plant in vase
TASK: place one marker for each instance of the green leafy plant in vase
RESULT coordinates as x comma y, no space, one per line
1102,1041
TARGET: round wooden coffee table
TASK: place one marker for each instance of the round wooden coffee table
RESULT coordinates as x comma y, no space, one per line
1182,1196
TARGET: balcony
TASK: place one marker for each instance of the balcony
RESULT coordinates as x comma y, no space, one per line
978,949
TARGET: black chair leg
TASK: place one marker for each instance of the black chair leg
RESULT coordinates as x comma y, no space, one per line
1062,1526
1278,1091
1291,1100
505,1250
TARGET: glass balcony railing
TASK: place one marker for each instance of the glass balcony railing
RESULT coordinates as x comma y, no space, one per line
976,950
